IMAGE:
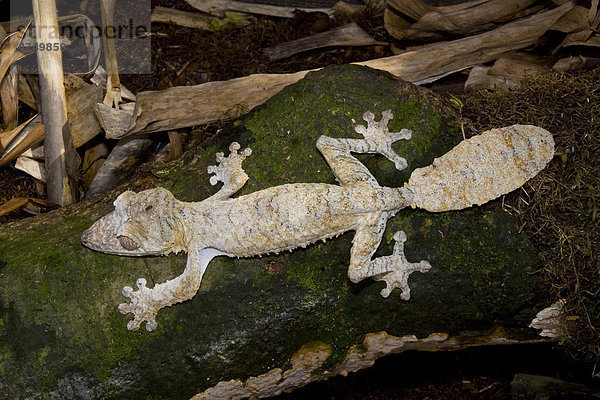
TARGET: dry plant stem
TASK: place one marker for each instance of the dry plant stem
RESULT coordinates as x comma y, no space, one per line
10,98
58,143
113,83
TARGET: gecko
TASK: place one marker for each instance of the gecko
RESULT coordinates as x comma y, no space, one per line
289,216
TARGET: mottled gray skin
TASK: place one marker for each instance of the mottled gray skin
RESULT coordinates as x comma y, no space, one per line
289,216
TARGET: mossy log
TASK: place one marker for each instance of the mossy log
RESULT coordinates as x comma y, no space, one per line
280,320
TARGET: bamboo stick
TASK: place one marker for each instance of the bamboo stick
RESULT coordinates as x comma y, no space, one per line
60,155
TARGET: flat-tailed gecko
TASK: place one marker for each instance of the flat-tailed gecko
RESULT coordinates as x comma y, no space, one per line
154,222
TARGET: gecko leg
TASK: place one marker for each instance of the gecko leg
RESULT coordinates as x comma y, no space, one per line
377,139
145,302
229,171
394,269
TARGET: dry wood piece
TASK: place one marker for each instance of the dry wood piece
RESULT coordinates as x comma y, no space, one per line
346,35
113,82
431,62
520,65
61,158
9,53
185,106
94,157
193,19
27,203
34,168
99,78
348,9
466,18
220,7
480,79
27,94
9,98
23,137
126,154
81,98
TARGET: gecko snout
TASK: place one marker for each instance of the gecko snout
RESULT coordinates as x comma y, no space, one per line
128,243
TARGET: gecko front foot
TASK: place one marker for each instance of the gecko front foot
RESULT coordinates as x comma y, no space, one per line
229,171
398,277
378,136
141,306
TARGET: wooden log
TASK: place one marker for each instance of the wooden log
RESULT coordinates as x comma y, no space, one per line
347,35
185,106
252,316
61,158
193,19
221,7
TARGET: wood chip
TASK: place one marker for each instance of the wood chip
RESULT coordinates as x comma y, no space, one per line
34,168
347,35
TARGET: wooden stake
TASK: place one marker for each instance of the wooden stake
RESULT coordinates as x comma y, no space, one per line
60,155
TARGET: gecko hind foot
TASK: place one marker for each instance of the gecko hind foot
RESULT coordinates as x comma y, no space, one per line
379,135
140,306
398,278
229,171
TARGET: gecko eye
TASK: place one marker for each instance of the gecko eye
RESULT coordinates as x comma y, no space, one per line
128,243
148,208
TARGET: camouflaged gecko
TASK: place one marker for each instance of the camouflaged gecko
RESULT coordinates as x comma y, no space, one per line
289,216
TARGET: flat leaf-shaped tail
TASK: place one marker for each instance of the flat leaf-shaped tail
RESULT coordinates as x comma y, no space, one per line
481,168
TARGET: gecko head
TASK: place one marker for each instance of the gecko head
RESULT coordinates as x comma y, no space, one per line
144,223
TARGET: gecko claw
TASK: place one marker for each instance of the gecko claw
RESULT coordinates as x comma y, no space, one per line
141,306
